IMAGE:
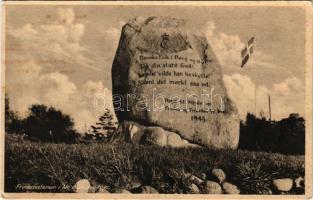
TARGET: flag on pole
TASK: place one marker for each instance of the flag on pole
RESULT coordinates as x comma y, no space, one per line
247,51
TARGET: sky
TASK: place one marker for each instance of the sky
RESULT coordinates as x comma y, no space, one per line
62,55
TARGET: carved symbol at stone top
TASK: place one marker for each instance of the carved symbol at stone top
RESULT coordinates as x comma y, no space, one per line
165,39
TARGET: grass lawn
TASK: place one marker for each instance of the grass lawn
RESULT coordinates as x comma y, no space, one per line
120,165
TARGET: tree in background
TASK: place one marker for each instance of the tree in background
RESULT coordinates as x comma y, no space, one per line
13,124
284,136
105,126
50,125
292,139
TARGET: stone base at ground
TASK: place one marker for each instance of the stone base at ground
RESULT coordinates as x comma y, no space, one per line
136,133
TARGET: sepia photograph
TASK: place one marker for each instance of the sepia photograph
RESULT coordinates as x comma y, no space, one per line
147,99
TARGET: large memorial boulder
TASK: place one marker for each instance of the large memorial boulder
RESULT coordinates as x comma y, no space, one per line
165,74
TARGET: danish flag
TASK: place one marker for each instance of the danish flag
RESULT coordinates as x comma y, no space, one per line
247,51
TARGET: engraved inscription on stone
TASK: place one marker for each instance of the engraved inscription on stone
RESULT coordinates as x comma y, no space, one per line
168,76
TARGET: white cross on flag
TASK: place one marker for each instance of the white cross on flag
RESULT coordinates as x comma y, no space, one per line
247,51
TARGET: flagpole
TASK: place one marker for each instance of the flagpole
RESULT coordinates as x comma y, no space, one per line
269,108
255,86
255,100
245,55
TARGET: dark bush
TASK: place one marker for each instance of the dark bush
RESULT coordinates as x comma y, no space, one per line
49,125
284,136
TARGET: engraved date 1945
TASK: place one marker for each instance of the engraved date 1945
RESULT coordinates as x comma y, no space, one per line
198,118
